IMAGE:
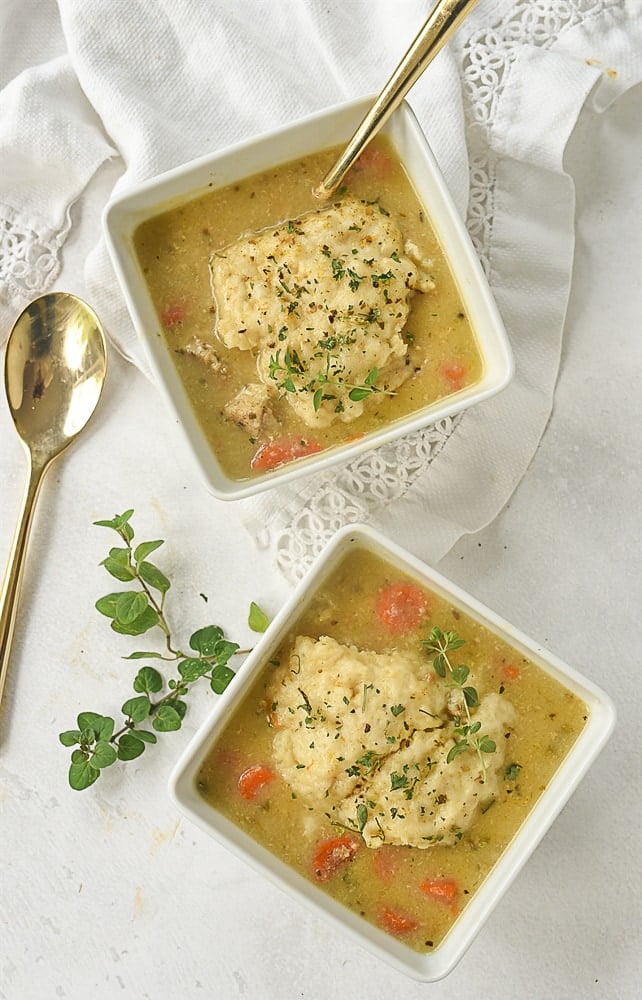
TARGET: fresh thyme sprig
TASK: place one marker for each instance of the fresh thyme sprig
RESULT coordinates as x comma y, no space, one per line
284,371
96,741
470,738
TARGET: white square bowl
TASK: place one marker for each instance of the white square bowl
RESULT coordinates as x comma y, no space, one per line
438,963
332,127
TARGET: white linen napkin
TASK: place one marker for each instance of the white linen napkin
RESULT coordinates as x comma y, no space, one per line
51,144
158,83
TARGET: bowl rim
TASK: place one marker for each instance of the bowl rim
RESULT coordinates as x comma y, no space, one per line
434,965
126,210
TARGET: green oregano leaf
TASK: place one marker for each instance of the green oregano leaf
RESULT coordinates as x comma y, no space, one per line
107,605
257,619
153,576
94,726
87,719
104,754
144,655
460,673
106,524
82,774
205,640
180,707
456,750
146,736
145,549
167,719
117,522
119,555
130,606
137,709
192,668
70,737
117,570
148,681
127,532
224,651
143,623
221,677
471,696
104,728
439,665
130,747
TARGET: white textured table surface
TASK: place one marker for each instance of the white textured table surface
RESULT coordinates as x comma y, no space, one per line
108,893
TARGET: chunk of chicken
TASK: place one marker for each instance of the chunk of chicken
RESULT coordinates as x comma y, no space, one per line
251,409
205,352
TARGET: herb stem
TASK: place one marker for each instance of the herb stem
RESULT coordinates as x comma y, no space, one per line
441,643
157,606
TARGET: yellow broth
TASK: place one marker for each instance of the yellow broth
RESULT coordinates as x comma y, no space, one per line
383,884
174,248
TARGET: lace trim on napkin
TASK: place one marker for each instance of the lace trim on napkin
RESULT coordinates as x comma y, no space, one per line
486,57
29,261
354,495
367,485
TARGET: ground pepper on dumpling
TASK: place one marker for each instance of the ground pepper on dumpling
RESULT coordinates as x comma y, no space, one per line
322,301
363,738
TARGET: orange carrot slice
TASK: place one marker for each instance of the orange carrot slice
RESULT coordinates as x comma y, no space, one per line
443,890
375,162
274,453
397,923
401,607
333,854
385,862
173,314
253,780
454,373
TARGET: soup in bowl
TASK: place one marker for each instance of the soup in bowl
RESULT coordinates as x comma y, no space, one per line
289,334
392,752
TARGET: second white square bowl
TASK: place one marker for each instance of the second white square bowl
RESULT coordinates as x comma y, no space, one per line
438,963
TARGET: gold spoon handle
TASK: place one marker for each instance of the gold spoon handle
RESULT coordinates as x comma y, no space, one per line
13,575
443,20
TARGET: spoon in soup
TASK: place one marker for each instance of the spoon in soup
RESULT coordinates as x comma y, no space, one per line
444,19
55,367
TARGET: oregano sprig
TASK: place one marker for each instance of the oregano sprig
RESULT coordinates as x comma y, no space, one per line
157,702
468,734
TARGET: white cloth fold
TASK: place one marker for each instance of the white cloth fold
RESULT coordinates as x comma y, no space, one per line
47,161
157,83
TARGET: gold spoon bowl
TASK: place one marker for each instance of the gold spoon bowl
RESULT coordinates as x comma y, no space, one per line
55,367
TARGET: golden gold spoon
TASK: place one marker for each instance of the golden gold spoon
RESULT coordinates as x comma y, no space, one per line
55,366
444,19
